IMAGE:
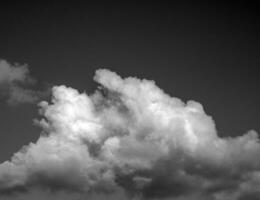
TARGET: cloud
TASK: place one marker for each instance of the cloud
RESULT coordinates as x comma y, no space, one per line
16,83
131,140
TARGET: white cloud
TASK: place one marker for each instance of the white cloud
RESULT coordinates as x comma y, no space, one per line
131,138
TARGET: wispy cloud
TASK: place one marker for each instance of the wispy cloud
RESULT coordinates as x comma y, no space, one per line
16,84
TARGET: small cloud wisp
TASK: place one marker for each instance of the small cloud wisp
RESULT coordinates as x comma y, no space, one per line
15,84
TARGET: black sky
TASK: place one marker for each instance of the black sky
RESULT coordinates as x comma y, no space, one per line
200,51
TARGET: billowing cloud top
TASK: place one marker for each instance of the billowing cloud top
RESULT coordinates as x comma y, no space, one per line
133,140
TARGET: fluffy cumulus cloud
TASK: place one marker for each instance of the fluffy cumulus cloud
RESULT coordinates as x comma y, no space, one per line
131,140
15,84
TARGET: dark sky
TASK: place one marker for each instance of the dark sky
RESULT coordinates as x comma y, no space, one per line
205,52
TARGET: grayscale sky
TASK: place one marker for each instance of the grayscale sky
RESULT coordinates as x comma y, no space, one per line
206,52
